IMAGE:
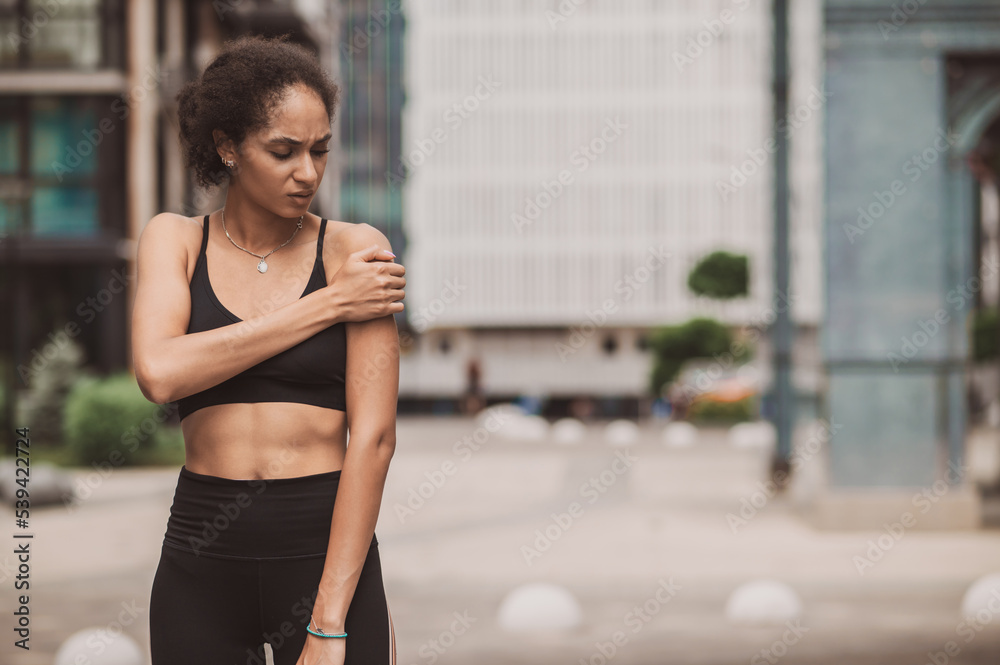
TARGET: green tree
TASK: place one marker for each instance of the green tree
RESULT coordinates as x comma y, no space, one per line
674,345
720,275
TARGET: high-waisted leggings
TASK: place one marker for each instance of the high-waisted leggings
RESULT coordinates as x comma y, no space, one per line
240,566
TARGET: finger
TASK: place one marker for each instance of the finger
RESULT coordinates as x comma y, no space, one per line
373,253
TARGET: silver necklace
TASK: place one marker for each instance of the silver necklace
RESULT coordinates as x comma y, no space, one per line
262,265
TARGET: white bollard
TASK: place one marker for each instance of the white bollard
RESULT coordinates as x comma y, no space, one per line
759,435
539,606
621,433
501,413
568,431
981,601
680,435
763,602
97,646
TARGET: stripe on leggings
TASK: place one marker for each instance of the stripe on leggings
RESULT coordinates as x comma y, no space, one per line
392,637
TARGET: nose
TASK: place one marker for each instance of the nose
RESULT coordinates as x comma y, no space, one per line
305,171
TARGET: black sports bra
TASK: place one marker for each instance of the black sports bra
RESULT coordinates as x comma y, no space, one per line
311,372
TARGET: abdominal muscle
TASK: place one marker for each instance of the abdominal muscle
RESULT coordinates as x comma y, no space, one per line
264,440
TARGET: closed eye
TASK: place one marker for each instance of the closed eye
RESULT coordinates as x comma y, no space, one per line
286,155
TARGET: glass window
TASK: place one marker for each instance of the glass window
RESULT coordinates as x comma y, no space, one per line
63,34
64,139
61,166
9,160
64,211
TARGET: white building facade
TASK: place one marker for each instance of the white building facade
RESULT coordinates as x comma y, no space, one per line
569,163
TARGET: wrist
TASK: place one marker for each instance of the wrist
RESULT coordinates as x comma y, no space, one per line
333,306
328,615
327,624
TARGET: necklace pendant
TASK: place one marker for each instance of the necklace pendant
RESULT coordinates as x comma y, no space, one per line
262,266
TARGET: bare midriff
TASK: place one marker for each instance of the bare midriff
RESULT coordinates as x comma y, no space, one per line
264,440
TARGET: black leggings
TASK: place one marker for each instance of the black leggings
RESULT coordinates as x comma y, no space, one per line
240,565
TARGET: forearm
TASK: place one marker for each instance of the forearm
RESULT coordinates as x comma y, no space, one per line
355,513
179,366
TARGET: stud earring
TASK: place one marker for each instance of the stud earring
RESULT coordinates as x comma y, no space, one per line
230,163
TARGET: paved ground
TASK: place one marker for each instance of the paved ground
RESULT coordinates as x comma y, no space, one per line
661,517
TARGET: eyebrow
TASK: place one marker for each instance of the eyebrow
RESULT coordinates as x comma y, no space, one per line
285,140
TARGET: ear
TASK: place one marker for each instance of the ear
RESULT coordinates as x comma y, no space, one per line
224,145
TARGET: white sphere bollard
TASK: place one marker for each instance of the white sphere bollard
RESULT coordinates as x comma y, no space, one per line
758,435
680,435
763,602
498,413
539,606
568,431
524,428
980,599
621,432
91,645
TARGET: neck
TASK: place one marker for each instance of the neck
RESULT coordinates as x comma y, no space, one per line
253,227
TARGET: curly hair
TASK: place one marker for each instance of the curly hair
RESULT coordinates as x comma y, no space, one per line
237,94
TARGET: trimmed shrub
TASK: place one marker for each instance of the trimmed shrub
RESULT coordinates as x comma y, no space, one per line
41,405
672,346
709,411
108,420
986,334
720,275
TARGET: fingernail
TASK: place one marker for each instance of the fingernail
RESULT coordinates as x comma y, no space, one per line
389,253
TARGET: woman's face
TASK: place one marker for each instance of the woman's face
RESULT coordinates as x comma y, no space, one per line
280,167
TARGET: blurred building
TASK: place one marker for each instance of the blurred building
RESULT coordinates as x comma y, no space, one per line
910,252
64,130
567,164
89,147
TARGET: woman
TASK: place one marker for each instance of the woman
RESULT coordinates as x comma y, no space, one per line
266,375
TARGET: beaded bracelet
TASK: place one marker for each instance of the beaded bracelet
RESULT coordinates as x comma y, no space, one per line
319,631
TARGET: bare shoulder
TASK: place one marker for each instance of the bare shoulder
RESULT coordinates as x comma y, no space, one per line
170,236
344,238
